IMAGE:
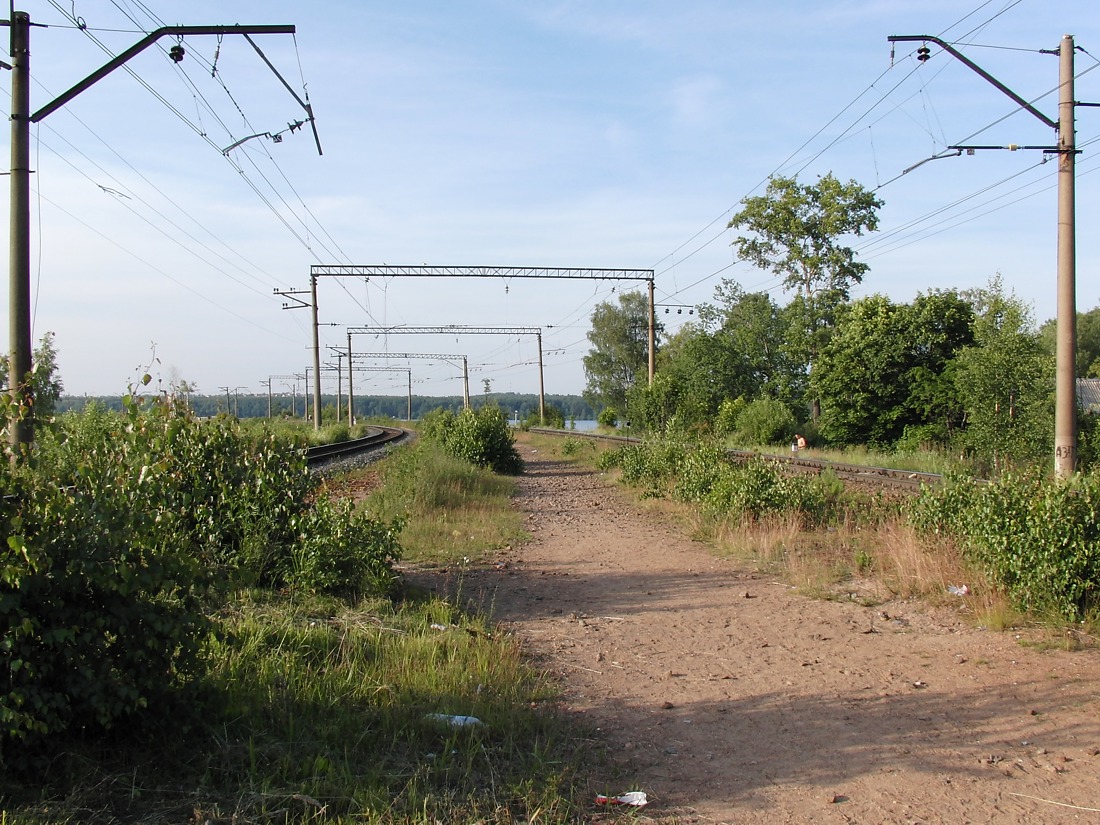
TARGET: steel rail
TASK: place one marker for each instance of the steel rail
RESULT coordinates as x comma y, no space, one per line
380,437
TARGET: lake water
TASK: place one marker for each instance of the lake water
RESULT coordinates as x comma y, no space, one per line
582,425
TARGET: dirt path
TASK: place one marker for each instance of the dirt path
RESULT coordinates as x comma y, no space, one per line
729,698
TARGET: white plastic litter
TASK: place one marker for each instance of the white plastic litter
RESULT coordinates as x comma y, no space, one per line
635,798
455,721
956,590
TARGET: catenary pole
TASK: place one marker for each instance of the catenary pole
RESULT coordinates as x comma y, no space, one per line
1065,385
21,432
652,335
351,390
1065,404
542,385
316,358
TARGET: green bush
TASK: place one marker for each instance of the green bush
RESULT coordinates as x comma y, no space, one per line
344,552
100,602
1038,538
652,464
608,417
922,438
551,417
571,446
765,421
115,539
758,487
725,423
481,437
703,473
698,472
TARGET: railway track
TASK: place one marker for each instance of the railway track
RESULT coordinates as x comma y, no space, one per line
884,477
378,438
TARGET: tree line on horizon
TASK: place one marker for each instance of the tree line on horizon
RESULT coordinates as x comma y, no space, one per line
252,405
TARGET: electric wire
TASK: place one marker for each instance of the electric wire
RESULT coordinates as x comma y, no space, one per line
280,216
237,167
152,266
843,135
132,193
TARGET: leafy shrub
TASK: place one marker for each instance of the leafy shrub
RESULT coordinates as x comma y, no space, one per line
574,446
922,437
703,473
335,433
116,536
725,423
698,472
552,417
765,421
1038,538
481,437
759,487
344,552
651,464
100,604
608,417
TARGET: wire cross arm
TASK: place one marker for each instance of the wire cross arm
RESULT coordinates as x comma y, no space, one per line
142,45
303,103
1011,147
276,137
970,64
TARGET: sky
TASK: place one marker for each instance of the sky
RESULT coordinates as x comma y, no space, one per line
601,134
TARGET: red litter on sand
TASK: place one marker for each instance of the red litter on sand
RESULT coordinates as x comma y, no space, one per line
635,798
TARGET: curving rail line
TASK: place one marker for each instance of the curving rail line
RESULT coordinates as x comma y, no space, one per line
878,476
378,437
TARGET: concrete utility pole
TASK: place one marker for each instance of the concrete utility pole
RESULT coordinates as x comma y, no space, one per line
268,382
1065,393
284,378
1065,403
21,429
652,337
316,358
339,381
21,434
235,409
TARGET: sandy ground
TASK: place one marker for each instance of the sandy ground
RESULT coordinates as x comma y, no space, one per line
729,698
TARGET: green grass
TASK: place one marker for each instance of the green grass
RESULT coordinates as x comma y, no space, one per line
924,461
454,511
316,709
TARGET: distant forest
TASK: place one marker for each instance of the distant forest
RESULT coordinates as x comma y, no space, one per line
388,406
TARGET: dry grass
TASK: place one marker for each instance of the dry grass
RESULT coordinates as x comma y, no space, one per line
914,566
868,564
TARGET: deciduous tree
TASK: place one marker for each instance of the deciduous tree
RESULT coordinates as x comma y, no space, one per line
883,369
46,384
619,357
797,232
1006,382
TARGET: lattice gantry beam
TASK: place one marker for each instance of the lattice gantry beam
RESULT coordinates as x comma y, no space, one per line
392,270
444,330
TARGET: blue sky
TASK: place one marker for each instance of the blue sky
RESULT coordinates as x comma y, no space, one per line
573,134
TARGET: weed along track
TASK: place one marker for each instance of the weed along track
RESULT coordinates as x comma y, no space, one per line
886,478
727,696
